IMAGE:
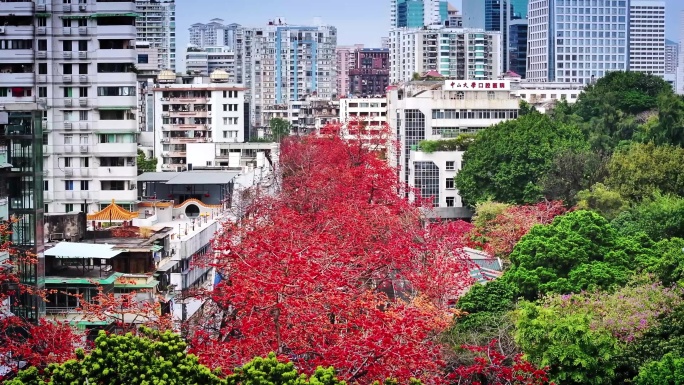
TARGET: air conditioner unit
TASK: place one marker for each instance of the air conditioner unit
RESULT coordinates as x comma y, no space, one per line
40,30
84,148
83,102
67,125
83,126
67,54
68,172
82,8
82,54
67,102
66,30
66,8
83,78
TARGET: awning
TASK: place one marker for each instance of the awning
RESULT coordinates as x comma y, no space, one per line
82,281
73,250
167,266
43,14
156,248
72,17
129,14
116,108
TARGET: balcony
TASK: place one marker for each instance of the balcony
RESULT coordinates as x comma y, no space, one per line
186,127
115,7
117,101
17,55
106,172
24,79
189,100
122,55
116,32
106,196
194,114
24,8
118,149
19,30
117,125
175,154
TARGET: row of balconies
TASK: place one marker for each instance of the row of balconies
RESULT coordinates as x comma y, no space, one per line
184,140
119,149
125,126
92,195
95,172
186,127
101,54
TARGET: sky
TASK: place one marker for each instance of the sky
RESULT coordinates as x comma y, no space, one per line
357,21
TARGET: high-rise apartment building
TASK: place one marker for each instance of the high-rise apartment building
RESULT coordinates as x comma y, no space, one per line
568,46
418,13
345,60
214,34
156,24
454,17
671,56
282,63
370,74
647,36
452,52
204,61
77,61
508,17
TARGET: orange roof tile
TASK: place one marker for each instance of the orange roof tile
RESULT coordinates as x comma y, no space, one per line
113,212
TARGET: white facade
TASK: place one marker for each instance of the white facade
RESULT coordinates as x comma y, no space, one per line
559,50
647,36
671,56
453,52
436,110
544,95
156,24
233,156
196,113
282,63
433,174
372,111
77,61
215,33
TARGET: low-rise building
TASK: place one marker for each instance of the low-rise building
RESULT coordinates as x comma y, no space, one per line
315,113
445,109
543,96
371,111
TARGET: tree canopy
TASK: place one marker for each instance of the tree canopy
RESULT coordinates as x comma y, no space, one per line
506,162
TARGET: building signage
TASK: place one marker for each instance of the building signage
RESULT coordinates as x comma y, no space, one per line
477,85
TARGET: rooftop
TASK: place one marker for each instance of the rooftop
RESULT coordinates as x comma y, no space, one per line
189,177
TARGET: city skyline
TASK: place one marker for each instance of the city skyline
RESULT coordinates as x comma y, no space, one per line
374,17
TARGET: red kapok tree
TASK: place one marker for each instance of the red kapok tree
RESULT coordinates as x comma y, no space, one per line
336,270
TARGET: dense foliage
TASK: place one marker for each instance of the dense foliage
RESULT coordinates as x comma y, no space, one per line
506,162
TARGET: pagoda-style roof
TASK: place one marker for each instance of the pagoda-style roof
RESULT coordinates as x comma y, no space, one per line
113,212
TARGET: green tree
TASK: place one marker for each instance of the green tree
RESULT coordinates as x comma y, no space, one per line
642,170
660,217
578,251
145,164
506,162
602,200
575,352
280,129
270,371
667,371
571,172
152,357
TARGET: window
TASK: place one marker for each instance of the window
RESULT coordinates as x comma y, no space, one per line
115,91
46,185
68,92
66,69
225,133
450,184
42,92
450,201
83,93
109,185
67,45
66,23
143,58
84,185
85,162
83,69
83,23
83,115
451,165
83,45
68,139
68,207
69,185
83,138
225,107
42,45
42,69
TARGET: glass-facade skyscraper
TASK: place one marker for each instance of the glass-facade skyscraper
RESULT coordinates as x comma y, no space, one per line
418,13
577,41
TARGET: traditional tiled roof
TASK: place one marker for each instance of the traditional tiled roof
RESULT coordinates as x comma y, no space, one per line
113,212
